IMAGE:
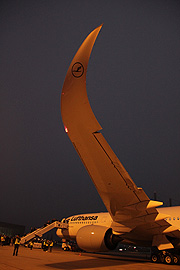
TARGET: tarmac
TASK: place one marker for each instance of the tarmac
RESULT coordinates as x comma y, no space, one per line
37,259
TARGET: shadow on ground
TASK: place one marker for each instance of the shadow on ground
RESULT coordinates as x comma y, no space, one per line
91,263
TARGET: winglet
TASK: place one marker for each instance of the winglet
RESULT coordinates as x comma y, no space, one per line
75,108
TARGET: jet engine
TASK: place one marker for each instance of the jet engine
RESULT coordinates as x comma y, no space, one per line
94,238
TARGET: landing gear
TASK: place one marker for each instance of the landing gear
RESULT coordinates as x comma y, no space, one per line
157,257
165,257
154,258
168,259
176,259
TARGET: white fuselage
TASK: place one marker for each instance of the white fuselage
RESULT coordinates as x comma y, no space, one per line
104,219
174,215
78,221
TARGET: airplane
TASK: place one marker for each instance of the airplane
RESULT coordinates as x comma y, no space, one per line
132,218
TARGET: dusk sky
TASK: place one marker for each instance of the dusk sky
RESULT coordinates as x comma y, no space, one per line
133,84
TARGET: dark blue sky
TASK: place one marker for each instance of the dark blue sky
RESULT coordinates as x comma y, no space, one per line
133,84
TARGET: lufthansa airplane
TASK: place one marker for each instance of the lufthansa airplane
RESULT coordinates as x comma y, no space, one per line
132,218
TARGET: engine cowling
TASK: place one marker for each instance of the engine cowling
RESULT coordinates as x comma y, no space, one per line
94,238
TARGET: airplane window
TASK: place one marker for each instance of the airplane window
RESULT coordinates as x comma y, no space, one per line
174,218
177,218
169,218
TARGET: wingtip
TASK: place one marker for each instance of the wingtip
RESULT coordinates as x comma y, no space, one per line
74,109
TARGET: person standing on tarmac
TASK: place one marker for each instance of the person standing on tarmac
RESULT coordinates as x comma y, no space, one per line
31,245
47,245
16,245
44,245
51,246
3,240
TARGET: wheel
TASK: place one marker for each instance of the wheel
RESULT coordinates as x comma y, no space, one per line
168,259
155,258
175,259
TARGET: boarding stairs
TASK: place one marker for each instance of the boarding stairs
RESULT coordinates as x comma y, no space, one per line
40,231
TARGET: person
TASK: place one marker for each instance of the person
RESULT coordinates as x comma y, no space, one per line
3,240
47,245
51,246
12,241
16,245
44,245
31,245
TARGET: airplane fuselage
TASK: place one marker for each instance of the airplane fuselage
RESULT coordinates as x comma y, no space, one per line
76,222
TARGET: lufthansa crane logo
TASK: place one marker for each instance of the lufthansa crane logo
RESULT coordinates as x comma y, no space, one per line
77,70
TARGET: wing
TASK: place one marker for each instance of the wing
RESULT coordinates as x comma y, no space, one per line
122,198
